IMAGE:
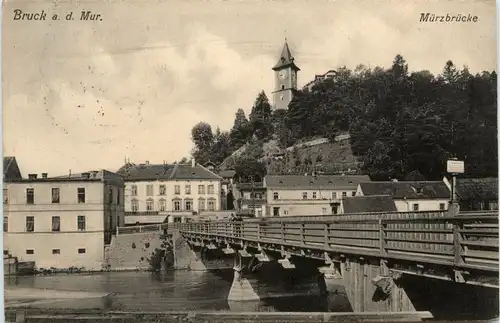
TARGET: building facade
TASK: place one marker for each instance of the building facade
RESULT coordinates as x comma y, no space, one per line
285,79
290,195
476,194
319,78
252,199
62,222
411,195
156,191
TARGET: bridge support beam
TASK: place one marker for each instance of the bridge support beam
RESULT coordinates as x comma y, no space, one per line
241,289
370,287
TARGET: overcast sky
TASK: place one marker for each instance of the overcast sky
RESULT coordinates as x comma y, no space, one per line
83,95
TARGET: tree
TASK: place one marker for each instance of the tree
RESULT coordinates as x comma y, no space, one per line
260,117
221,147
241,131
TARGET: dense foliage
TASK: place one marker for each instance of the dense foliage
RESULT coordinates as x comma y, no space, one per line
402,125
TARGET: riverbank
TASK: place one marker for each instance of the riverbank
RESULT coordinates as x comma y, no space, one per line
58,315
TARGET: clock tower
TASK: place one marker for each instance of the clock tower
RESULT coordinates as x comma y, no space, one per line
285,79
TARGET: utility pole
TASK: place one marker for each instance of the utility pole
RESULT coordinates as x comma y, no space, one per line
454,167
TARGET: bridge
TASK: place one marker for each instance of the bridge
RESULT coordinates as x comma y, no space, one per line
380,262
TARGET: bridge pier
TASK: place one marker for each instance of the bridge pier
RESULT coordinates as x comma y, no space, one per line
366,284
241,289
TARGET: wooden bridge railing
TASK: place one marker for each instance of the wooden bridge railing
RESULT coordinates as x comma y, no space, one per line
467,241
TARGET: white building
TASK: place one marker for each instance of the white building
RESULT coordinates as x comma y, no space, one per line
297,195
155,191
410,195
62,222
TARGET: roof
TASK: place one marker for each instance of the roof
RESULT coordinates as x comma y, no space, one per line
152,172
295,182
286,59
227,173
11,169
477,188
365,204
90,176
408,189
248,186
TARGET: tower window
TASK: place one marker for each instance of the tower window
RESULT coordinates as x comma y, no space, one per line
282,86
282,97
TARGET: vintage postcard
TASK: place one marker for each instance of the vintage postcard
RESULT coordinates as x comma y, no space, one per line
250,160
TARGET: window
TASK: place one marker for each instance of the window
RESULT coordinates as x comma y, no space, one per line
415,207
304,195
81,250
133,190
201,204
135,205
30,251
81,223
163,190
30,223
344,194
334,195
81,195
56,251
275,196
30,196
56,223
5,224
5,196
441,206
314,195
149,190
188,205
177,205
282,87
55,195
118,196
282,97
201,189
177,189
149,205
188,189
210,189
162,205
276,211
285,212
353,193
211,205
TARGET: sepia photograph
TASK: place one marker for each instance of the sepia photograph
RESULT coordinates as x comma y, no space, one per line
250,161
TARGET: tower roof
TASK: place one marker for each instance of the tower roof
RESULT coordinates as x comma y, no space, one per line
286,59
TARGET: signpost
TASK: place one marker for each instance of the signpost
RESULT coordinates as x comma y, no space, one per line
454,167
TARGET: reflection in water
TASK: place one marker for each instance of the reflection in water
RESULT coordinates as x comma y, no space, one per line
170,291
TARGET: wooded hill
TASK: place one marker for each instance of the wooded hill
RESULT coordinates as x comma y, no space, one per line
401,125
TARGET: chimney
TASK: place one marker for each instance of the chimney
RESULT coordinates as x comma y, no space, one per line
193,162
147,162
44,175
93,174
86,175
32,176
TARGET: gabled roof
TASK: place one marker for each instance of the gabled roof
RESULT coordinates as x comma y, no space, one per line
227,173
11,169
286,59
296,182
153,172
407,189
248,186
188,172
365,204
477,188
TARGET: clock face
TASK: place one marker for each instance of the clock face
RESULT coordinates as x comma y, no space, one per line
283,75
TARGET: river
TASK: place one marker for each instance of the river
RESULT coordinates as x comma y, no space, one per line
168,291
